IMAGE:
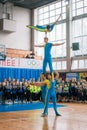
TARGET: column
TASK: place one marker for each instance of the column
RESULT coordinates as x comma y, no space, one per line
68,33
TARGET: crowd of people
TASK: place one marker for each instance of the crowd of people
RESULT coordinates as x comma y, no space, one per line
71,90
15,91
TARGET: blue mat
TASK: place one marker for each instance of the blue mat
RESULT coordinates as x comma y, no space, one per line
22,107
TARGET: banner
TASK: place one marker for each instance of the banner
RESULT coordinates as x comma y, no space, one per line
21,63
83,75
70,76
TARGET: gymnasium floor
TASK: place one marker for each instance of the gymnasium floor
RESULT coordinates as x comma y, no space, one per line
74,117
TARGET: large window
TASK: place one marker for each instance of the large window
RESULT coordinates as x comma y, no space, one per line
80,25
79,64
59,65
79,7
48,15
80,35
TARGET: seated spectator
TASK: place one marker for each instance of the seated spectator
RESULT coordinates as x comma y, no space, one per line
1,92
20,92
14,92
8,93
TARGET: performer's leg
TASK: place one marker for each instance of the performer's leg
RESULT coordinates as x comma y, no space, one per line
43,98
46,104
45,34
50,65
44,65
54,103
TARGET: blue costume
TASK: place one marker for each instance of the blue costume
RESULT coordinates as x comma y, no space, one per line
47,57
50,94
47,28
44,90
44,28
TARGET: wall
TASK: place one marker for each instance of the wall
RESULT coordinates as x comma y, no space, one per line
21,38
18,53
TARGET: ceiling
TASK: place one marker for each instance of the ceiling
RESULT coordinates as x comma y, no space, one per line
30,4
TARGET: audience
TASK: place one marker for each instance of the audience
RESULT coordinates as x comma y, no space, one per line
15,91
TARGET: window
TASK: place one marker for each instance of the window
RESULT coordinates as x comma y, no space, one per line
79,7
48,15
81,35
59,66
74,64
64,65
85,63
81,64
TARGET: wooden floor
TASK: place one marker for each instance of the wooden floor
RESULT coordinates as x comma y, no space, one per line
74,117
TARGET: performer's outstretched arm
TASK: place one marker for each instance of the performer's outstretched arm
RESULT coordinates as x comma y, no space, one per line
38,83
58,44
57,20
39,45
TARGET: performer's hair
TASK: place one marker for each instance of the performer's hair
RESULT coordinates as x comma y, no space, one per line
48,27
43,74
48,73
46,38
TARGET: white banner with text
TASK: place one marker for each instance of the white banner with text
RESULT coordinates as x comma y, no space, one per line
21,63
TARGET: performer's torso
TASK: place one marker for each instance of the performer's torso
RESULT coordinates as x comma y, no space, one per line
52,88
47,50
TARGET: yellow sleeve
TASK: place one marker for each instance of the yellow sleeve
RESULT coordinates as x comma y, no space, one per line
47,82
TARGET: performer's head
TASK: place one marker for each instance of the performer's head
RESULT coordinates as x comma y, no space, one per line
48,75
45,39
42,76
48,27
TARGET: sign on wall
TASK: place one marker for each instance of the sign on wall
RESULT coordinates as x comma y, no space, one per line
21,63
83,75
70,76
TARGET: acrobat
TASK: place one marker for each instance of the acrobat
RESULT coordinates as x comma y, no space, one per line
50,94
45,28
47,53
